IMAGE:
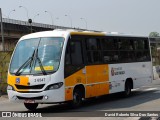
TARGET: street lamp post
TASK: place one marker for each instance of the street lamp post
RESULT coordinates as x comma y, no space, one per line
57,19
25,10
84,21
29,20
50,16
35,16
11,12
69,19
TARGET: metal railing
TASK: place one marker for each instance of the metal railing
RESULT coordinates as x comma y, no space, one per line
19,22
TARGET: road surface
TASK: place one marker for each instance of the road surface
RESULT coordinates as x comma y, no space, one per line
144,99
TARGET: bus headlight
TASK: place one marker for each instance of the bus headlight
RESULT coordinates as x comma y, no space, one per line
9,87
54,86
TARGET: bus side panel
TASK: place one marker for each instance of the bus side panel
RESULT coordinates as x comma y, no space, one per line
73,80
144,77
97,80
139,72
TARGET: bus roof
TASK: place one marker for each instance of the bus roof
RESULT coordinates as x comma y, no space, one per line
67,32
97,33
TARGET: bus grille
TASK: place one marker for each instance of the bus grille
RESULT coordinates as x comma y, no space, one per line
30,87
30,98
29,91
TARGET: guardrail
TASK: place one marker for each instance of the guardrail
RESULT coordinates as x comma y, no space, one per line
19,22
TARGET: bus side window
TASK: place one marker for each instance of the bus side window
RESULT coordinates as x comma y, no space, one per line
140,44
131,45
67,67
146,45
92,44
142,50
73,57
76,53
67,58
93,51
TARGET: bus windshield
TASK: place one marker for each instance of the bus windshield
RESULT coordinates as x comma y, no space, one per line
37,56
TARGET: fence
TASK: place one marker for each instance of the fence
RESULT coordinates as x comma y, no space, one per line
4,63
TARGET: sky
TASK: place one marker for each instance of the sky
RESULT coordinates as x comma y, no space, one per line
138,17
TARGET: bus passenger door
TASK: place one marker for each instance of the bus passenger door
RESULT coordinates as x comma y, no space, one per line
74,67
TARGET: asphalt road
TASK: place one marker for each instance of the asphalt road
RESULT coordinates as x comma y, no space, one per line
144,99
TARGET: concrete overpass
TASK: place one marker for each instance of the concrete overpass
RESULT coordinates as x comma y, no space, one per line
14,29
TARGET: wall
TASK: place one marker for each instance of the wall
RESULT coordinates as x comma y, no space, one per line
4,63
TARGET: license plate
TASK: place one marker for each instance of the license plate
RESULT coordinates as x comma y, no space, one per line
29,101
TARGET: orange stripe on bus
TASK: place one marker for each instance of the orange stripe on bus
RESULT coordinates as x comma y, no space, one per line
95,81
23,81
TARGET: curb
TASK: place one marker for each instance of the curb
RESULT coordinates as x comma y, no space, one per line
156,82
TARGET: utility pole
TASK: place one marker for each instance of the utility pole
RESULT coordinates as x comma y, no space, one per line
2,33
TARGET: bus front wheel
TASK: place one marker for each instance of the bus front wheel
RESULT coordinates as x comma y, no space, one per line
77,98
31,106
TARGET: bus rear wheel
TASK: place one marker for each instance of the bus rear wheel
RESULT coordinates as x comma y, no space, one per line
127,90
31,106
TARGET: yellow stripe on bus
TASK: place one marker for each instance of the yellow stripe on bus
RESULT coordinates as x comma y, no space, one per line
88,33
95,80
23,81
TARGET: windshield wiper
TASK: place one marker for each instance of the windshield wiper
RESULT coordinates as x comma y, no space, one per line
40,64
25,64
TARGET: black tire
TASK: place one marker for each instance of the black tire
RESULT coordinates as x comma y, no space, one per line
77,99
31,106
127,90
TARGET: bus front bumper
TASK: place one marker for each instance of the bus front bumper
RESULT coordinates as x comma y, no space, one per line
49,96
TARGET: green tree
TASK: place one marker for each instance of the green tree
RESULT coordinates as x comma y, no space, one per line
154,34
154,48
